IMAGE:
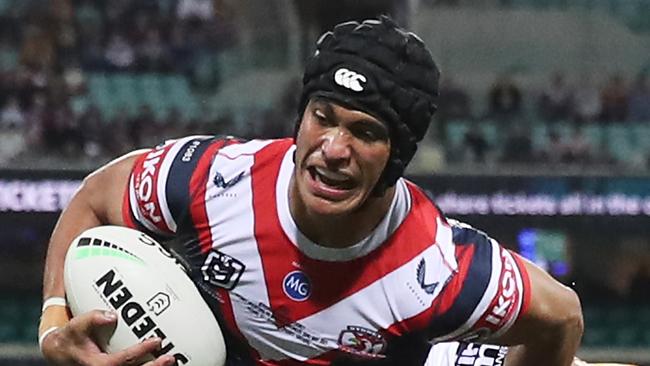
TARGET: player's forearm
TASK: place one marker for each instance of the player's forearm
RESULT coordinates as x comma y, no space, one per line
555,346
76,218
97,202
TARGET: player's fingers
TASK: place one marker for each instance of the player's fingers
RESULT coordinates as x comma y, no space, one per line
92,321
164,360
134,355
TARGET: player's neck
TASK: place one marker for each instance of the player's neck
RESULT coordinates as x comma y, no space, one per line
340,231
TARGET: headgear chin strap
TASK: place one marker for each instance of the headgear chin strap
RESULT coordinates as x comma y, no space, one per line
384,71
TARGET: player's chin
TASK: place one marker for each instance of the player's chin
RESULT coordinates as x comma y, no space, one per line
343,204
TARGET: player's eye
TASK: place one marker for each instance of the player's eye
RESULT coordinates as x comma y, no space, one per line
322,118
369,132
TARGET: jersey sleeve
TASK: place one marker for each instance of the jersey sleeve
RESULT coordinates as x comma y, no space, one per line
489,290
159,191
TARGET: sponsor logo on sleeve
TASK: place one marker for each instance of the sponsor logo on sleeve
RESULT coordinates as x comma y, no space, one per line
145,186
505,307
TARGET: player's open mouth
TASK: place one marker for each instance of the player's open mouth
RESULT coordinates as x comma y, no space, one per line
329,179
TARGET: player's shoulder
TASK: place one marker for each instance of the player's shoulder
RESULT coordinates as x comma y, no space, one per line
181,153
425,207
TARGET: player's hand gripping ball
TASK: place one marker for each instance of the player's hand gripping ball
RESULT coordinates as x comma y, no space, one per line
123,270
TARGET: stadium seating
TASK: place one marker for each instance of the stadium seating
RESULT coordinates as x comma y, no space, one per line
629,11
624,141
114,91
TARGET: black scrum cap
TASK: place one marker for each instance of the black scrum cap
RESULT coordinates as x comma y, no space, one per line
380,69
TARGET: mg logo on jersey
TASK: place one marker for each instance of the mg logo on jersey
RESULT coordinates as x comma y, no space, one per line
362,342
297,286
349,79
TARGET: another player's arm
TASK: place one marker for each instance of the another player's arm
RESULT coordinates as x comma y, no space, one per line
549,332
97,202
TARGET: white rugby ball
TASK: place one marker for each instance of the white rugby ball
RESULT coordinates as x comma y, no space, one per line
124,270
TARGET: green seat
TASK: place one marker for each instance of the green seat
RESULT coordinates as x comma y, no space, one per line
179,95
594,134
620,143
455,133
539,135
641,134
491,132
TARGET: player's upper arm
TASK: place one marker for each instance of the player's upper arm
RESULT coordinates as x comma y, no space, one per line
499,297
103,189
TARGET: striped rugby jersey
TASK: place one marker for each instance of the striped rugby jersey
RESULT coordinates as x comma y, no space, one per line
417,279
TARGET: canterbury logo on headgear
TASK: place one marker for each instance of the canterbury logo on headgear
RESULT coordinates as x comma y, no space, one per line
349,79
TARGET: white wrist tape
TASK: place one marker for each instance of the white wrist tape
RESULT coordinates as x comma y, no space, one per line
54,301
45,334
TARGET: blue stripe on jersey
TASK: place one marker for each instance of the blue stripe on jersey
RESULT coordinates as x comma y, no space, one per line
476,281
177,188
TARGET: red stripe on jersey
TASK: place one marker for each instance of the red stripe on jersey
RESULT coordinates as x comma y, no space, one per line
330,281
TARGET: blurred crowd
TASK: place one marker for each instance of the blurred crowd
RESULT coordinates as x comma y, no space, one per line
48,49
565,110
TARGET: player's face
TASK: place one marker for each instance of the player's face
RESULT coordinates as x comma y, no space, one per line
340,155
